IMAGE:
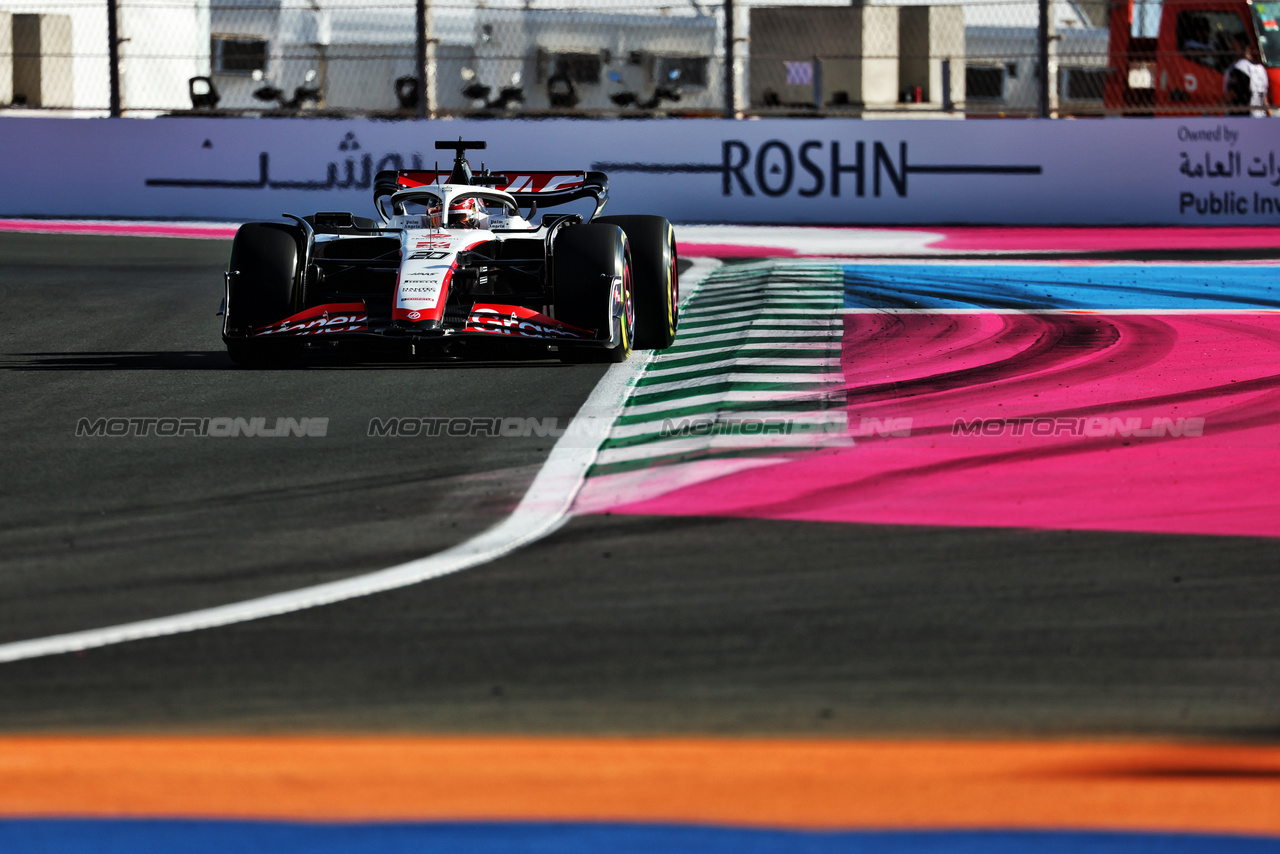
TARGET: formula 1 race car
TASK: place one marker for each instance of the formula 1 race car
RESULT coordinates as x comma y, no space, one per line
455,269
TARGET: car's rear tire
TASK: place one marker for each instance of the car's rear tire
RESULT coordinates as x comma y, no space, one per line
264,286
655,276
587,261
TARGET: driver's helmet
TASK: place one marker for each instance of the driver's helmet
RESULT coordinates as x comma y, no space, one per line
468,213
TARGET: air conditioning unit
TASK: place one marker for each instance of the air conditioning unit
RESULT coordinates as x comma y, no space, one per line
42,74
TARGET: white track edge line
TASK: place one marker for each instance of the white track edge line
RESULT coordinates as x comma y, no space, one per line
543,510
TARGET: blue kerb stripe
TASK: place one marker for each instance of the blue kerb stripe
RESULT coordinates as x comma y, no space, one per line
219,837
1047,286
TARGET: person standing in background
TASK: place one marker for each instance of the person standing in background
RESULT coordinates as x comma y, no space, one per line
1245,85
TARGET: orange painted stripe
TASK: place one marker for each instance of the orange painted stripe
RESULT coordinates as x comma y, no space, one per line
779,783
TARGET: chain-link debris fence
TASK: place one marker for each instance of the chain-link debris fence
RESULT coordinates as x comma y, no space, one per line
592,57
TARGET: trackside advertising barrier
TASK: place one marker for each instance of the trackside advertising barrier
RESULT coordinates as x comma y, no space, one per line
1193,171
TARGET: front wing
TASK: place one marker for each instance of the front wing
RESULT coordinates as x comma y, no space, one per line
351,323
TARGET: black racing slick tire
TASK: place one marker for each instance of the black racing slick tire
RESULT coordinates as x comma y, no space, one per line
263,286
264,267
587,261
655,278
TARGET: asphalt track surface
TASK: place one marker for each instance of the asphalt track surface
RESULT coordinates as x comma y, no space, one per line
615,624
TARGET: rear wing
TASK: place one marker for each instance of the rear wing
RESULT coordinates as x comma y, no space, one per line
528,188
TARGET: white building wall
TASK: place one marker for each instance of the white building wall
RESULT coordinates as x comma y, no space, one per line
167,43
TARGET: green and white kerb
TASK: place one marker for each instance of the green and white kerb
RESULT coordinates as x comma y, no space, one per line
755,369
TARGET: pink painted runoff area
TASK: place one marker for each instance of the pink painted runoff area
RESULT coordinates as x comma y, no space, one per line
1088,379
765,242
205,231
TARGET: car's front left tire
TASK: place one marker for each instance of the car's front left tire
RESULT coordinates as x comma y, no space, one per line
655,278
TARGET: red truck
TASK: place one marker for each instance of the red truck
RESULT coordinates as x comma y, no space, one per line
1180,71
